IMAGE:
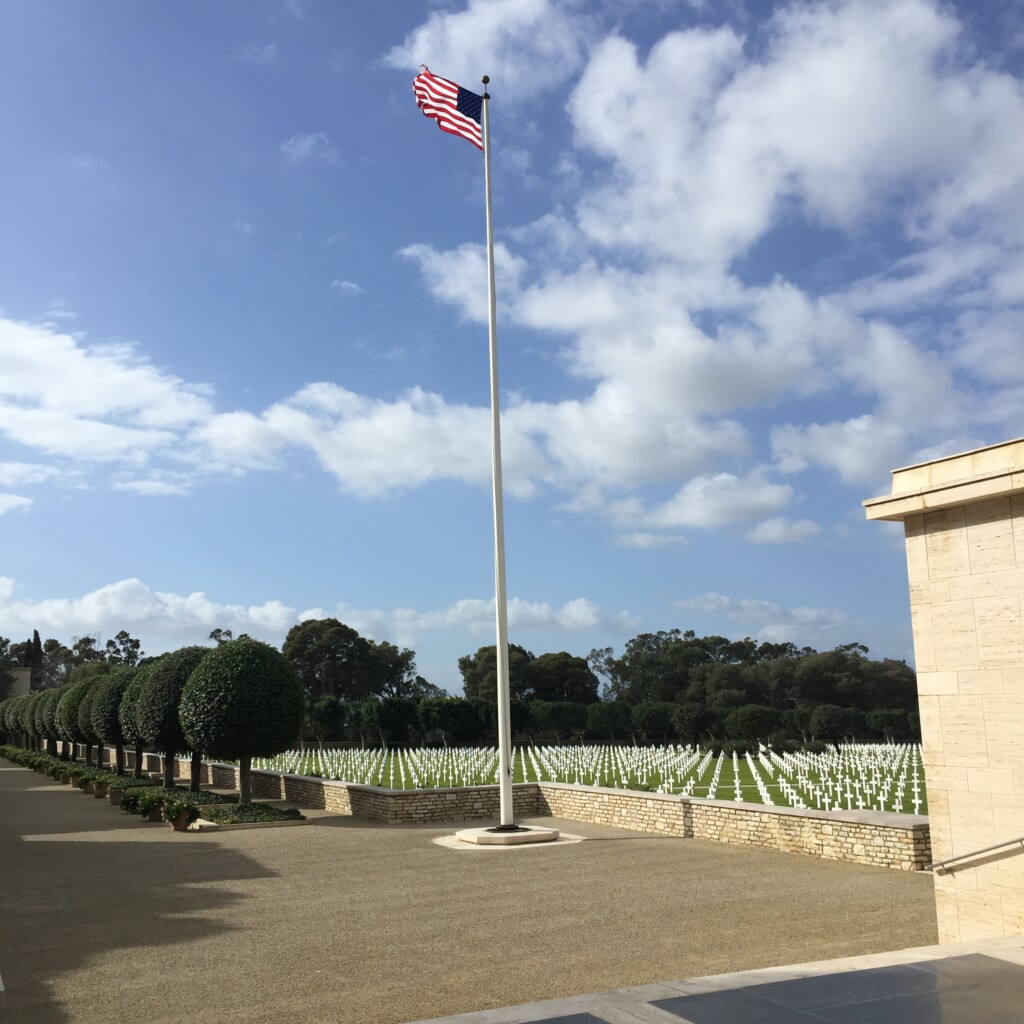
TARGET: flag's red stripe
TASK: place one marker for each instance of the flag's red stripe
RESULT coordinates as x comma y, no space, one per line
438,98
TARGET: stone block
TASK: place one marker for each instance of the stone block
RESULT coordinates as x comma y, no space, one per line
941,683
981,681
1000,631
964,740
980,915
946,543
1004,726
955,638
986,780
990,535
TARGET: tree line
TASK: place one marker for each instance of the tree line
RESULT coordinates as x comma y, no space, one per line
669,686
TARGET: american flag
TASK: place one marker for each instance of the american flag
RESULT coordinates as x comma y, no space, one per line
456,110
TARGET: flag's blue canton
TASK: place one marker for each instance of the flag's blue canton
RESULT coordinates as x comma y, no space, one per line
470,104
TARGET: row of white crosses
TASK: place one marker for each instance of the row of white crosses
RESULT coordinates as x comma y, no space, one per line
850,777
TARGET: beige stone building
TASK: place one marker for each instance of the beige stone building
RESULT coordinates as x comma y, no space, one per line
963,518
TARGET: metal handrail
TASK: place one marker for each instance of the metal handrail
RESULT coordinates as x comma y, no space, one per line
973,853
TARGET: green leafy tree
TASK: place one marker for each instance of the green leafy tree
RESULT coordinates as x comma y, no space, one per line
156,708
454,720
392,670
85,648
398,721
67,712
609,720
106,704
124,649
28,719
45,725
562,677
7,665
243,700
58,662
692,720
325,719
130,728
23,717
654,722
559,721
752,722
480,673
85,728
331,658
890,722
797,722
827,721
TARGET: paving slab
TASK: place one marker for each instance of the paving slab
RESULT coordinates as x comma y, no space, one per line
979,982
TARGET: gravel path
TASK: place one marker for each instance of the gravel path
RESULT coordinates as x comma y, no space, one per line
106,918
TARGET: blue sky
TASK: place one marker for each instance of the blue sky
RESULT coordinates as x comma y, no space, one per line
751,257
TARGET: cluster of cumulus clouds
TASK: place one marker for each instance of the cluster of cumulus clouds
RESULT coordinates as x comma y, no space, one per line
701,389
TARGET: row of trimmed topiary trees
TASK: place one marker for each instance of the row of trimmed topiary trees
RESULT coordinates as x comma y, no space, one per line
236,701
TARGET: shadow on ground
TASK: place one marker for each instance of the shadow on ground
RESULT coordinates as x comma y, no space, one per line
81,879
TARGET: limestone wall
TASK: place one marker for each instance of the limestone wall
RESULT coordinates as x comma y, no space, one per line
964,527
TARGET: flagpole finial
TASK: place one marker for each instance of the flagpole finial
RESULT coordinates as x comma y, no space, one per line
485,80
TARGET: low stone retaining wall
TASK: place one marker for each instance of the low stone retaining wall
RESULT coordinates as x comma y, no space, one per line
901,842
898,841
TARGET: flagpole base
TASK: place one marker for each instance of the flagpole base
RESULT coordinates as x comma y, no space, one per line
497,837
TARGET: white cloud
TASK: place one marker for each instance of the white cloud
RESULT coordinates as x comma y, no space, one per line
719,499
259,54
477,618
643,539
459,276
14,474
527,47
163,620
98,402
822,628
160,487
12,501
783,531
130,604
861,450
305,146
346,287
849,104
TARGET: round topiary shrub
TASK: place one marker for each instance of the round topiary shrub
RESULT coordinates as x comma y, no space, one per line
106,704
67,712
243,700
126,713
156,709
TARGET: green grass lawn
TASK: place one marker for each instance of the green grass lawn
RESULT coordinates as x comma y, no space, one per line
623,768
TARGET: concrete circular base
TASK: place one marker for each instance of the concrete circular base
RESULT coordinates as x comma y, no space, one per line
485,837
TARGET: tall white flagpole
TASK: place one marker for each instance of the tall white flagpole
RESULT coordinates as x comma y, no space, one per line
501,607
